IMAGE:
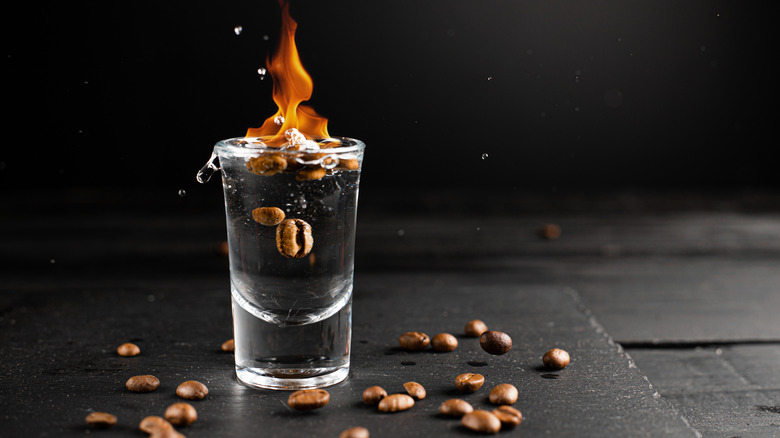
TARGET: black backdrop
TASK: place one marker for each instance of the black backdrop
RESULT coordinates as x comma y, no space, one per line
611,93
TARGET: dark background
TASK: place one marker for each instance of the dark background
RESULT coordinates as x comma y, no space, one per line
559,95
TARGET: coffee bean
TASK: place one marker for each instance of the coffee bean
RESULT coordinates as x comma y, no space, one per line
146,383
504,394
168,433
101,419
266,165
495,342
192,390
550,231
128,350
228,346
293,238
469,382
154,424
181,414
308,399
455,407
396,403
475,328
508,416
481,421
310,173
355,432
556,359
268,216
444,342
415,390
373,394
414,341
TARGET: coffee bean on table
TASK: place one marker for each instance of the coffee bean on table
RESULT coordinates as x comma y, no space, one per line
373,394
481,421
508,416
147,383
294,238
444,342
153,424
475,328
469,382
504,394
308,399
415,390
355,432
128,350
556,359
414,341
101,419
228,346
181,414
495,342
268,216
192,390
396,403
455,407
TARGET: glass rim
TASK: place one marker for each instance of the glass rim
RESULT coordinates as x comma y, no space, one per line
244,146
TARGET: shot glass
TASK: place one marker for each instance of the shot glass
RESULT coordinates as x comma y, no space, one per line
291,282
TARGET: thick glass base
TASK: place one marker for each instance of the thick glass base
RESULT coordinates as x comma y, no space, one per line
292,379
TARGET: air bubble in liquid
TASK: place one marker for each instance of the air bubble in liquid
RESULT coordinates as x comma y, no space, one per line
238,30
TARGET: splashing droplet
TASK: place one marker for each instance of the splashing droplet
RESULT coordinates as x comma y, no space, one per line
484,156
266,37
52,261
261,71
279,120
207,171
238,30
182,193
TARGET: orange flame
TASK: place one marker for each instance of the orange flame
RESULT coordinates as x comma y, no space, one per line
292,85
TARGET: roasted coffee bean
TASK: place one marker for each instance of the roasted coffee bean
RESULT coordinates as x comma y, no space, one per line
373,394
168,433
556,359
355,432
481,421
266,165
310,173
101,419
550,231
469,382
269,216
508,416
181,414
414,341
142,383
228,346
415,390
154,424
293,238
495,342
475,328
308,399
128,350
444,342
455,407
504,394
192,390
348,163
396,403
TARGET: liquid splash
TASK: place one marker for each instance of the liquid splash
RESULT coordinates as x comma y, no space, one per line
207,171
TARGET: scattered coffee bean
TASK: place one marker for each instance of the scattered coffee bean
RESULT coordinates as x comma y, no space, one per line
372,395
269,216
556,359
469,382
495,342
475,328
310,173
154,424
414,341
354,432
192,390
293,238
308,399
266,165
508,415
181,414
455,407
146,383
229,346
415,390
504,394
128,350
396,403
481,421
550,231
101,419
444,342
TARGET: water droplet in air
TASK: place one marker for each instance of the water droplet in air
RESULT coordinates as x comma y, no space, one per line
401,233
279,120
484,156
266,37
182,193
238,30
490,78
261,71
52,261
206,172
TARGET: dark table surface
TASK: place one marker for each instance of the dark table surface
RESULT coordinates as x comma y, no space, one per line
667,303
